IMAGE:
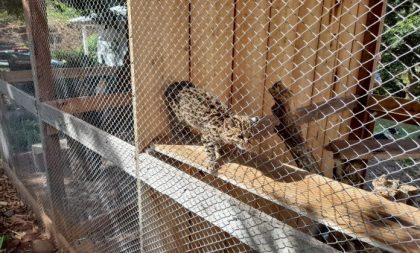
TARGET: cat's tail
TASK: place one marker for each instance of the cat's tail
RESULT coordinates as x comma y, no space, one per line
171,93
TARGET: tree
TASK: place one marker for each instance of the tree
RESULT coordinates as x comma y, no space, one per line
399,68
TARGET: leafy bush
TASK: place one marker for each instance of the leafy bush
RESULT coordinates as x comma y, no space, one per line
76,57
25,133
399,68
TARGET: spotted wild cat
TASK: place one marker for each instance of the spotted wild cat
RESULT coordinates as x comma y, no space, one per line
207,115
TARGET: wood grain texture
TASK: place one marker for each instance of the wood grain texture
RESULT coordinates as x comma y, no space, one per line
250,56
211,59
342,83
373,148
350,210
324,75
158,59
91,104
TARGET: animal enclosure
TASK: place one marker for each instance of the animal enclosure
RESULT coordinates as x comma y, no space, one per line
333,163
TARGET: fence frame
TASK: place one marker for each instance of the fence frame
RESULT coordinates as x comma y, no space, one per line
125,155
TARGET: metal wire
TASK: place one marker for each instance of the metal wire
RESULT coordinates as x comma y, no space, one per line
335,84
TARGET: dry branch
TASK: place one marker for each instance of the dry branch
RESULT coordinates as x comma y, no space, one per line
289,131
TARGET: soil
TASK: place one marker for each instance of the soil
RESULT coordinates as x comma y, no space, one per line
19,229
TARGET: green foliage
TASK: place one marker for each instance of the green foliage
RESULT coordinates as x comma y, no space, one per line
76,58
399,68
24,133
61,12
12,7
2,240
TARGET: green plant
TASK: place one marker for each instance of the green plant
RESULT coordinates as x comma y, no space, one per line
24,133
400,68
2,240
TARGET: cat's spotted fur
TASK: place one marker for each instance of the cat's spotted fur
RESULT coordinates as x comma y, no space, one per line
208,116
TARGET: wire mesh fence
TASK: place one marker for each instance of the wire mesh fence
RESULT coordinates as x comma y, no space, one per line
220,126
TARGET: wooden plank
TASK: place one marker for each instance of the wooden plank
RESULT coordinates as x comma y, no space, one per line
16,76
252,227
212,29
348,17
324,75
250,53
91,104
37,28
350,210
159,50
5,147
20,97
122,154
38,210
160,56
26,75
282,30
307,33
86,72
362,123
397,109
355,63
373,148
323,109
106,145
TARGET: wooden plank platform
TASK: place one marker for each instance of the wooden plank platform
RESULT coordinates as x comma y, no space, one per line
93,103
397,109
26,75
350,210
375,148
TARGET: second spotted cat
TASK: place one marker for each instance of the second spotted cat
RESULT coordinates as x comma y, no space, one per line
207,115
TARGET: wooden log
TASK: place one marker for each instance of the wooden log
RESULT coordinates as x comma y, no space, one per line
355,212
91,104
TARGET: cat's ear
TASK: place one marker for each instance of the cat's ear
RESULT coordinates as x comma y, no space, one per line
254,120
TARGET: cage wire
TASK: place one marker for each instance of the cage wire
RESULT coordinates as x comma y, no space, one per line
332,162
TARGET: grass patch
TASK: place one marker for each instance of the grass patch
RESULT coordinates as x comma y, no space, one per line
406,130
61,12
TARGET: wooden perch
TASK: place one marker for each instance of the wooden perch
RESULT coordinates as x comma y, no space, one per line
289,131
355,212
90,104
393,189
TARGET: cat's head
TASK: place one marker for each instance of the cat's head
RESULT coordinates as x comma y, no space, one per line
238,130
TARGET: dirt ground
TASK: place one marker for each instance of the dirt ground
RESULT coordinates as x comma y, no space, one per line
19,230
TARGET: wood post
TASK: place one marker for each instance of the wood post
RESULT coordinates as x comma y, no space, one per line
37,29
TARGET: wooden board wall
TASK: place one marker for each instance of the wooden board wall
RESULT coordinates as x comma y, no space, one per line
236,50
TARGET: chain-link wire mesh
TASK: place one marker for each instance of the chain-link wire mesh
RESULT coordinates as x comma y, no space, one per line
223,126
